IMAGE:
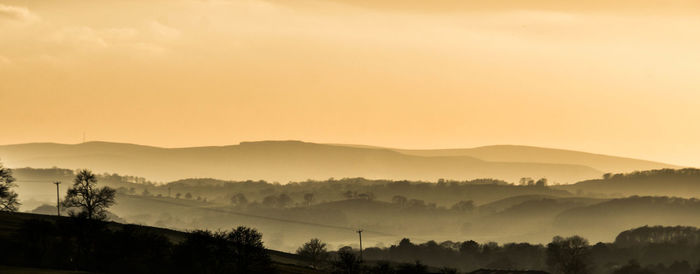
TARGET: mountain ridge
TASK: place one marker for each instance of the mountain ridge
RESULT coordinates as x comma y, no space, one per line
297,161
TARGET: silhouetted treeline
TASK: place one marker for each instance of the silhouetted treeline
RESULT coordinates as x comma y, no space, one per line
443,193
662,182
82,244
679,254
677,235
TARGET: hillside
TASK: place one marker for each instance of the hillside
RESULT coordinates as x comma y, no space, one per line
11,223
626,213
661,182
280,161
529,154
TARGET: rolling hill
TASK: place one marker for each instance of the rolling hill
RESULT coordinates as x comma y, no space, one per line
285,161
280,161
529,154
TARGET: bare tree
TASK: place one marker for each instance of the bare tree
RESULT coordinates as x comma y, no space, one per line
8,198
91,200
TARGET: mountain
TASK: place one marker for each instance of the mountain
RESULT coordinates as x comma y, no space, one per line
285,161
281,161
529,154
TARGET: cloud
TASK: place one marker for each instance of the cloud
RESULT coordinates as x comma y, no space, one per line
79,36
162,31
17,15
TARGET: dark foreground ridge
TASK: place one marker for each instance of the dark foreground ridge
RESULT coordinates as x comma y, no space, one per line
34,243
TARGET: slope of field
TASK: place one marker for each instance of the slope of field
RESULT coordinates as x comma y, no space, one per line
10,223
600,221
280,161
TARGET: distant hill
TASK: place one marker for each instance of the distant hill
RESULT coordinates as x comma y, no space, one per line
601,220
660,182
281,161
529,154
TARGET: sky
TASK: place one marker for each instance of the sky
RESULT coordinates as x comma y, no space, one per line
614,78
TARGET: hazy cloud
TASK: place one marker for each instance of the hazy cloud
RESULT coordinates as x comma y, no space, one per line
17,14
164,32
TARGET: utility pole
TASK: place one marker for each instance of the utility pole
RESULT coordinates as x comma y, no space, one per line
58,200
360,233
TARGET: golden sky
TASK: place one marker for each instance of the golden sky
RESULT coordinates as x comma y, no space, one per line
621,79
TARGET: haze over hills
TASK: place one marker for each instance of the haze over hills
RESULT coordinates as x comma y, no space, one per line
284,161
512,153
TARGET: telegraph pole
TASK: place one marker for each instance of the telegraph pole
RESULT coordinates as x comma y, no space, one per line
58,200
359,232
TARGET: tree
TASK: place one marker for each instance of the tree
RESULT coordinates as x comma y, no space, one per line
309,199
541,182
91,200
238,251
632,267
315,251
8,198
369,196
524,181
249,253
270,201
347,262
284,200
349,194
239,199
463,206
568,255
188,195
177,196
399,200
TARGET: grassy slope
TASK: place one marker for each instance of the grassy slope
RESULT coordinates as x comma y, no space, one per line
11,222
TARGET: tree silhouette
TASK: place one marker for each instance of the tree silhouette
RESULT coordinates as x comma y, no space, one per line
463,206
91,200
568,255
315,251
309,199
284,200
8,198
347,262
399,200
239,199
632,267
